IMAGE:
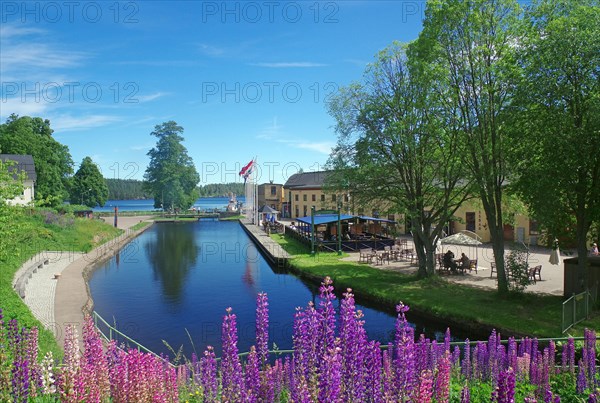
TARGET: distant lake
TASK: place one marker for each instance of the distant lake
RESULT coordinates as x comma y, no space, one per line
203,203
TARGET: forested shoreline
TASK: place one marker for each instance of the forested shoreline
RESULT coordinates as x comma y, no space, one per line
133,189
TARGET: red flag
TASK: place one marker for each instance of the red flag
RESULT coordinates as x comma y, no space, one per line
244,169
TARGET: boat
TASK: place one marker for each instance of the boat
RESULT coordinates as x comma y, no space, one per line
233,204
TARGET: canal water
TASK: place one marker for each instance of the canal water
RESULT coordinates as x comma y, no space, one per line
175,281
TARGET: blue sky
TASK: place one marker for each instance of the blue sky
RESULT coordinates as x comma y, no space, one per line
244,79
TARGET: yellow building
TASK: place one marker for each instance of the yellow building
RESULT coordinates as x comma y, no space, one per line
305,190
471,217
272,195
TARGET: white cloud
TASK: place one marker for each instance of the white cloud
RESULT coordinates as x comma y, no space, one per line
323,147
150,97
272,131
69,123
286,65
9,106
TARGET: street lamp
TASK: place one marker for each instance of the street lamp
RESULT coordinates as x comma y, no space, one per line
339,228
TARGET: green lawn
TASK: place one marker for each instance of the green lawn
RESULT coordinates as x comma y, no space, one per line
521,314
35,233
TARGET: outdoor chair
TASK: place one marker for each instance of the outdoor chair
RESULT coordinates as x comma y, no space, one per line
473,265
537,273
365,256
493,269
531,274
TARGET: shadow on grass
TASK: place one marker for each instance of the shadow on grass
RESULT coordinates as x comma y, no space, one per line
515,314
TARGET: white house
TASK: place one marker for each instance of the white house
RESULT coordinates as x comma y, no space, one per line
23,163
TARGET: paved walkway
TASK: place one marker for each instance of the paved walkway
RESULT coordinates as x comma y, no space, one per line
57,303
552,275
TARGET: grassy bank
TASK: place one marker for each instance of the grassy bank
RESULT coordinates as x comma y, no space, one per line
35,233
469,307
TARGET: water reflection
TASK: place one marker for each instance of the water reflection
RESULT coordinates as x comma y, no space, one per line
172,256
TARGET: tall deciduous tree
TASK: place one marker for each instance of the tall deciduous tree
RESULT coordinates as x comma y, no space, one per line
88,187
395,147
53,163
473,44
557,117
171,176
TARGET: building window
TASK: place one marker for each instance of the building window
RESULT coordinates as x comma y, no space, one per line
297,212
273,190
314,197
332,198
296,197
322,198
304,197
533,227
346,198
470,220
305,209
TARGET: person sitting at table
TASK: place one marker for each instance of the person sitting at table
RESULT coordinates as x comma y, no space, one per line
449,261
465,262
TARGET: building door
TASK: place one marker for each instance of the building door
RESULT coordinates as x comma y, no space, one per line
509,232
521,234
470,221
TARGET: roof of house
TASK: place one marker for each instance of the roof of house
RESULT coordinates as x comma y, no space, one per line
306,180
23,163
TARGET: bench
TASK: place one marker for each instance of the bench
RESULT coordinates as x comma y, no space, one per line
23,280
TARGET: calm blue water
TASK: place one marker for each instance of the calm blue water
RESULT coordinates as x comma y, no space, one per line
182,276
203,203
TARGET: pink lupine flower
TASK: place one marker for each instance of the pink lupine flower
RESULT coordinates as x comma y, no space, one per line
425,387
68,376
442,379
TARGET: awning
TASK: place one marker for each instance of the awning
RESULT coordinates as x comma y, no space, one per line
325,218
364,217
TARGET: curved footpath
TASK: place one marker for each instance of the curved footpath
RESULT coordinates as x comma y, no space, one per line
57,303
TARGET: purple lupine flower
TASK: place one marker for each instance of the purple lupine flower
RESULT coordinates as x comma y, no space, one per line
306,343
404,357
581,378
552,356
442,379
330,376
425,387
262,327
465,394
231,368
373,364
208,376
327,317
21,367
466,367
505,389
353,341
388,384
456,357
422,354
252,376
447,339
590,354
511,354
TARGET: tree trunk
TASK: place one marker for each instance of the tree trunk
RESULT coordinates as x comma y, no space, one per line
420,250
582,251
497,235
